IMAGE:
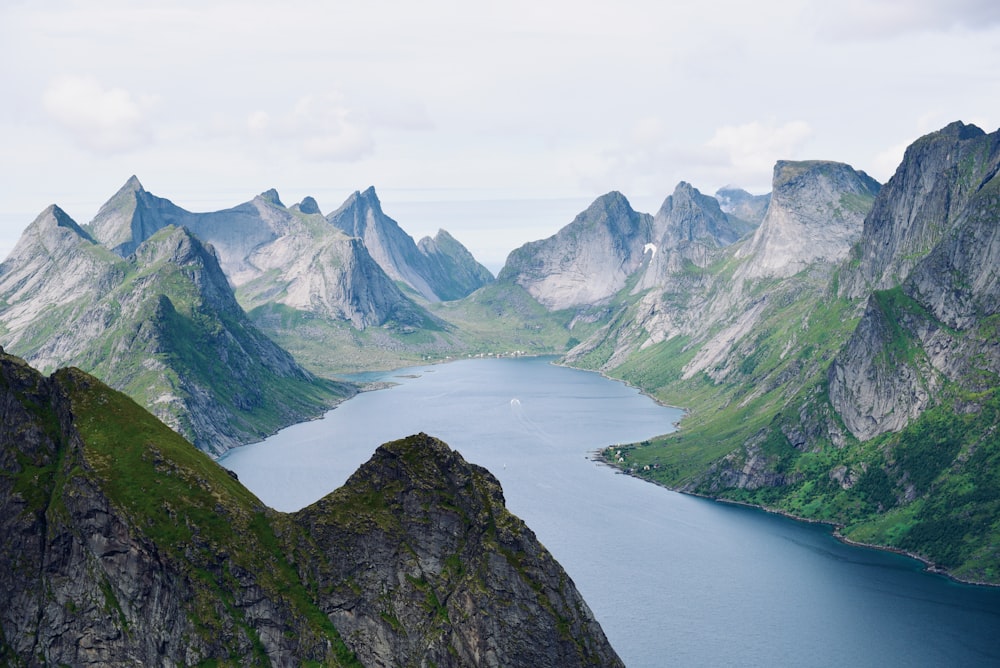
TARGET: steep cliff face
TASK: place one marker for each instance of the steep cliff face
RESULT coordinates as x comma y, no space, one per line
586,262
54,271
933,327
270,253
816,213
420,267
132,215
921,203
863,389
123,545
120,544
687,231
162,325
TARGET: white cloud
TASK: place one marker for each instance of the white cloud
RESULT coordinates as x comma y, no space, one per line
104,120
320,127
754,147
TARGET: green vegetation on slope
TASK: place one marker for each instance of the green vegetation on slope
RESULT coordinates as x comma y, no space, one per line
203,520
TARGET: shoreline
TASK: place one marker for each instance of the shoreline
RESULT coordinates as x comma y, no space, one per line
930,567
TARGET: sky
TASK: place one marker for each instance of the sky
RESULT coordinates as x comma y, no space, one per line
497,121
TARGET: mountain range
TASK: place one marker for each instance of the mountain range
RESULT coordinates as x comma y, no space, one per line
834,341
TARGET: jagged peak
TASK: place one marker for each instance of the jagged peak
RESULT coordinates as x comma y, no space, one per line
53,216
960,130
271,196
308,205
443,235
606,205
360,201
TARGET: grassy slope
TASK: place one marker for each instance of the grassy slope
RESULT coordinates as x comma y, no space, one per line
932,490
191,509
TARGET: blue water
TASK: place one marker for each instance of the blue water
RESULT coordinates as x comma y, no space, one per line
673,579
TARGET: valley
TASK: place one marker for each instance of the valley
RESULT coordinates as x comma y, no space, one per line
833,343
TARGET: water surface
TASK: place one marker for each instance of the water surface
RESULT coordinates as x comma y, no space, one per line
673,579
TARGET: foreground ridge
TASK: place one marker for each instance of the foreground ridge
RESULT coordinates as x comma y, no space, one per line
122,544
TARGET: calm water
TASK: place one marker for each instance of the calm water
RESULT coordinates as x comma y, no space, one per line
673,579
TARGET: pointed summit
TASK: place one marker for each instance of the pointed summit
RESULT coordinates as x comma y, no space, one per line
688,216
587,261
393,249
132,184
272,197
131,216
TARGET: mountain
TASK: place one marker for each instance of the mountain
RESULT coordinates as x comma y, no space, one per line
132,215
688,229
932,328
161,324
740,204
422,267
841,364
446,257
587,261
815,214
123,545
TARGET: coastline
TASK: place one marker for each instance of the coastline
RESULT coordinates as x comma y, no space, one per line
930,566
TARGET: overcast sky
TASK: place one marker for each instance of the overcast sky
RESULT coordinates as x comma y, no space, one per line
210,103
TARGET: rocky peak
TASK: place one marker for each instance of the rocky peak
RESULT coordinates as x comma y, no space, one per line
120,544
743,205
435,528
587,261
920,204
458,272
308,205
53,264
393,249
816,213
132,215
272,197
688,216
399,256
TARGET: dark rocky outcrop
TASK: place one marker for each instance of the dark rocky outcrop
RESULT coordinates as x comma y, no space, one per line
435,559
120,544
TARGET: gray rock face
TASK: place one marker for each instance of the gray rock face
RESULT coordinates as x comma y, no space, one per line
270,253
122,545
132,215
442,571
586,262
447,257
423,268
931,328
816,214
688,228
162,324
920,204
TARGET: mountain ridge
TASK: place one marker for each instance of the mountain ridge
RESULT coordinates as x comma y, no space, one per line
123,544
